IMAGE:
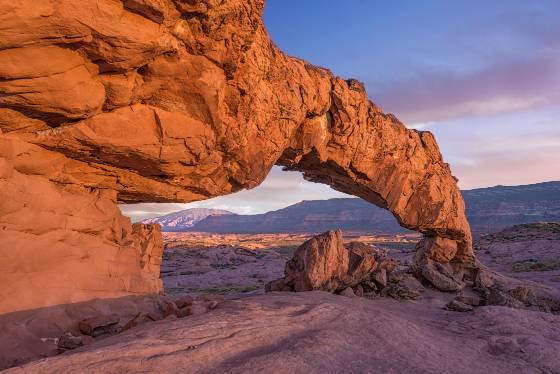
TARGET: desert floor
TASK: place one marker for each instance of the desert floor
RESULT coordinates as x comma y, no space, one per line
318,332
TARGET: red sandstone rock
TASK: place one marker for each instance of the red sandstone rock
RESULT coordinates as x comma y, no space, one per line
62,243
316,332
106,101
324,263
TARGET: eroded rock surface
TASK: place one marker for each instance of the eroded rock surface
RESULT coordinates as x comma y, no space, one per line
66,243
109,101
324,263
33,334
316,332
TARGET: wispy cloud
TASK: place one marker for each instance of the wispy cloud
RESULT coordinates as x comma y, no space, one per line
515,148
506,86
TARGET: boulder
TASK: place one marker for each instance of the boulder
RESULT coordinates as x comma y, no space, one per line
321,263
68,341
369,287
99,325
185,311
380,278
362,262
324,263
440,277
358,290
525,294
184,301
496,296
469,300
402,285
458,306
170,309
348,292
400,292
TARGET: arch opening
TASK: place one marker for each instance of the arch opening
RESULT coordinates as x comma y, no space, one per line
219,246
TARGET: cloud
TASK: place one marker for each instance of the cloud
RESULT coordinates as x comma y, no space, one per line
508,169
508,149
506,86
420,126
505,59
516,159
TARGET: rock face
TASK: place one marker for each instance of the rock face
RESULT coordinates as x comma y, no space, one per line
65,243
106,101
324,263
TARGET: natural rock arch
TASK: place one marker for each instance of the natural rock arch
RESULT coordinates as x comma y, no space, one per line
106,101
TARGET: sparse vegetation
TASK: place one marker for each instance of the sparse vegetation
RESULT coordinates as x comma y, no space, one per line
533,264
525,232
175,290
225,290
400,246
286,251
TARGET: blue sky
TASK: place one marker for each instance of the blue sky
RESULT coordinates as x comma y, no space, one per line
483,76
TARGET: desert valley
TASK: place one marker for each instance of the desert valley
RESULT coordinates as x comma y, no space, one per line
148,222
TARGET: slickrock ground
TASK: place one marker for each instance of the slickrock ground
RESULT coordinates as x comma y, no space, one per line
29,335
108,101
529,252
317,332
310,331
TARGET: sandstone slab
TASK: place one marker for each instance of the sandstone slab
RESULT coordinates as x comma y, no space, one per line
297,332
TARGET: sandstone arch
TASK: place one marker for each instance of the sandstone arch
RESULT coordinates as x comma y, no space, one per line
106,101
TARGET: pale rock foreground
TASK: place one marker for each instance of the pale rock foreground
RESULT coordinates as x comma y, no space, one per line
317,332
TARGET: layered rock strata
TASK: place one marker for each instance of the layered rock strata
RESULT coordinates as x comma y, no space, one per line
109,101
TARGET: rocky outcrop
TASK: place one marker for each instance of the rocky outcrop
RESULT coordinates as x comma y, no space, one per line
324,263
65,243
34,334
109,101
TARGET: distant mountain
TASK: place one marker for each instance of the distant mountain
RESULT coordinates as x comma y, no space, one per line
185,219
488,209
308,216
